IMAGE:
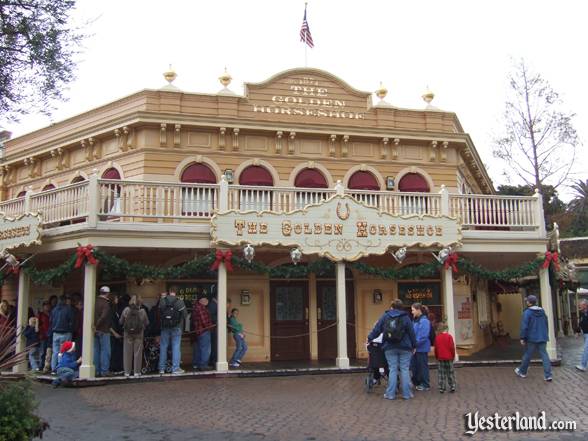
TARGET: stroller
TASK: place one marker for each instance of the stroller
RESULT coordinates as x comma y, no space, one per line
377,365
151,356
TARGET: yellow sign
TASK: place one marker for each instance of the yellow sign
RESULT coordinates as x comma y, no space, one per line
24,230
340,228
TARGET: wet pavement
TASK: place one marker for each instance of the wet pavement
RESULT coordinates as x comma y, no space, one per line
316,407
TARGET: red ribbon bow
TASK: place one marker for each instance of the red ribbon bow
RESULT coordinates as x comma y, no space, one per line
83,253
223,257
451,262
551,257
14,270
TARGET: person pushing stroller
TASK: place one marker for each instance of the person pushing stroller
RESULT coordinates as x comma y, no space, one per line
377,364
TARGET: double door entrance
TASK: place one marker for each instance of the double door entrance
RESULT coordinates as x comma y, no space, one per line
290,320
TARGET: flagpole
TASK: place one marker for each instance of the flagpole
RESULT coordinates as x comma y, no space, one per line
305,45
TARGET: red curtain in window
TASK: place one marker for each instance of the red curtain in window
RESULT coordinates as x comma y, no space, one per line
413,182
363,180
198,173
256,175
310,178
48,187
78,179
111,173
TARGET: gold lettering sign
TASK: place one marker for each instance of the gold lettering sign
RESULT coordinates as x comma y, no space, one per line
340,228
22,231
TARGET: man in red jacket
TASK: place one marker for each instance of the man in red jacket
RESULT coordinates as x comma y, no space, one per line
445,354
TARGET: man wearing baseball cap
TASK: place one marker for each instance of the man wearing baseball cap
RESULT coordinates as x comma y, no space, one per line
534,336
102,325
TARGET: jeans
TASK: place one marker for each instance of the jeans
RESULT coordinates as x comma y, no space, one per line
65,375
584,362
58,339
529,351
201,350
169,336
102,353
34,353
420,369
398,359
240,349
42,353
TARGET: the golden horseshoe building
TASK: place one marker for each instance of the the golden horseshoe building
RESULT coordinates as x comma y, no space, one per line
301,167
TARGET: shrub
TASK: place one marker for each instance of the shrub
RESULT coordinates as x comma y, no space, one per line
18,421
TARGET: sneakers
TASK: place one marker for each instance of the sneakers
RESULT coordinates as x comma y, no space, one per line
389,397
452,390
549,379
519,373
178,372
441,391
127,375
422,388
580,368
161,372
234,365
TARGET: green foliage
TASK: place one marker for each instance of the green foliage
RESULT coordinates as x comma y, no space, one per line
578,207
18,421
37,46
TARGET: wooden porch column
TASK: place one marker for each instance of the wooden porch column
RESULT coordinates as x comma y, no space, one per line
221,323
547,306
22,319
87,369
447,277
342,359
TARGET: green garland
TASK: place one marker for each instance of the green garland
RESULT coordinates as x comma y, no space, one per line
113,267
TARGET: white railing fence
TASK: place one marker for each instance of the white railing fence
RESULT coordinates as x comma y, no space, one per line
62,204
494,211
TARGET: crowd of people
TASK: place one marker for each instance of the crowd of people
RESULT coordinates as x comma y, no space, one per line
129,338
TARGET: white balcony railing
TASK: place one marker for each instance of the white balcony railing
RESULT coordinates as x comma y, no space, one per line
138,201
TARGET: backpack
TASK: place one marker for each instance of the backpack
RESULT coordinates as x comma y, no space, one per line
133,323
394,329
170,316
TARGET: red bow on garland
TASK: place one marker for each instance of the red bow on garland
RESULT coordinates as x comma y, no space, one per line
83,253
551,257
223,257
451,262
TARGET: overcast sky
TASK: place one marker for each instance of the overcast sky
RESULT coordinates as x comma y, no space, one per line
461,49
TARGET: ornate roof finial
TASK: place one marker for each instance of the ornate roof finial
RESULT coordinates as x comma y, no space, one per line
428,96
225,78
381,92
170,75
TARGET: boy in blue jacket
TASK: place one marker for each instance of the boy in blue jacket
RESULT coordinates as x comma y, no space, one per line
534,336
399,344
67,364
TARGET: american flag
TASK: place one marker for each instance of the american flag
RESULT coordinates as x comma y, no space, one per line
305,31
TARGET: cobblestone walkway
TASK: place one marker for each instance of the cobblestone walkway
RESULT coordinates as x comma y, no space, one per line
305,408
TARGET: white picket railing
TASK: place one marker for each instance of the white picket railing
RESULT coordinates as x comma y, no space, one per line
13,207
62,204
494,211
138,199
135,201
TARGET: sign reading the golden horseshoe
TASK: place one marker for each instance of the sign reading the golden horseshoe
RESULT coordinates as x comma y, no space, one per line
340,228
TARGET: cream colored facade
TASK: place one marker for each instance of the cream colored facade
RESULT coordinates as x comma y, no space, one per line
301,119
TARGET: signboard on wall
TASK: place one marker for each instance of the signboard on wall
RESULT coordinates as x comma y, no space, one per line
464,319
427,293
21,231
340,228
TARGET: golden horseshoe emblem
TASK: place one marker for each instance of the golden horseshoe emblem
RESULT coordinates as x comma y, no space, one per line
343,216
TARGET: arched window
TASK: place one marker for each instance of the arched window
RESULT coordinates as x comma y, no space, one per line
415,204
21,194
253,198
363,180
77,179
366,183
198,173
198,200
48,187
311,179
110,192
414,183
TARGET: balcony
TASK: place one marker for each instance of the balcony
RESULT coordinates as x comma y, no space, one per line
96,201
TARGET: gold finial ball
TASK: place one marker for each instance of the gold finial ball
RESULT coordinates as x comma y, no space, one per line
225,78
428,96
381,92
170,75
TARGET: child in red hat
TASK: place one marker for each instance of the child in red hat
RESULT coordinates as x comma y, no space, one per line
67,364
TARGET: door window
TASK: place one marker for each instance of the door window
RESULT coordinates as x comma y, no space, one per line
289,303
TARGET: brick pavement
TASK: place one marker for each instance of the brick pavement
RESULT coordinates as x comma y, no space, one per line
305,408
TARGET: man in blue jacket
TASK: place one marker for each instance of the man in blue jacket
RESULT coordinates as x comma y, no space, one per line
534,336
399,344
62,321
